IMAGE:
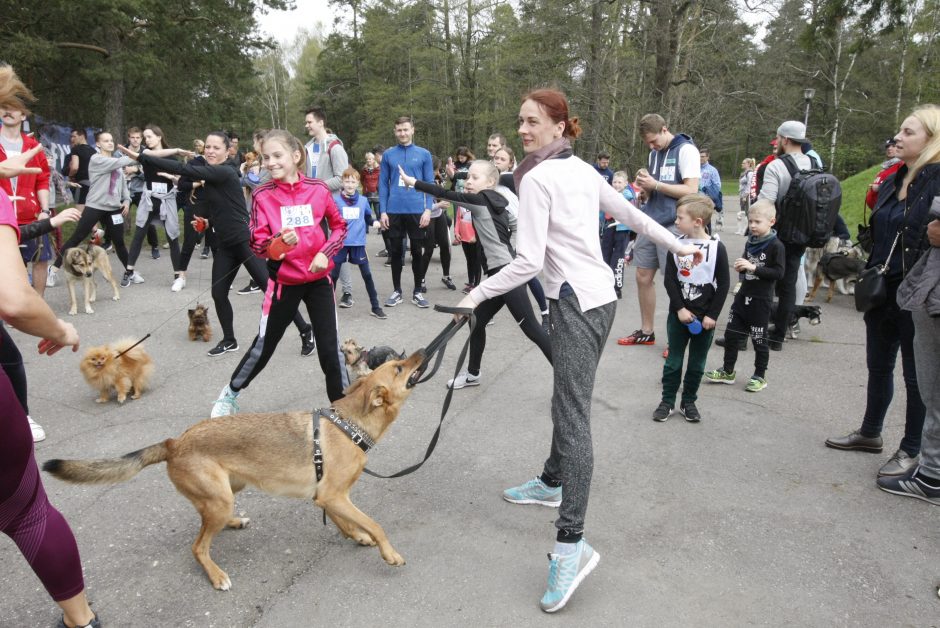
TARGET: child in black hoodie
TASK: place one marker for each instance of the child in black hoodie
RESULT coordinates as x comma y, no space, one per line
760,267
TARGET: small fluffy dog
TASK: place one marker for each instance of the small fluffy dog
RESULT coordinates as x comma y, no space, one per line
80,264
199,323
212,461
104,371
845,285
362,361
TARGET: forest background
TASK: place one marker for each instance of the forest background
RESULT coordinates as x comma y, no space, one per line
725,72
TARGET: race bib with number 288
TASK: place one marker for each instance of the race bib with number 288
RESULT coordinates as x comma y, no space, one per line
296,216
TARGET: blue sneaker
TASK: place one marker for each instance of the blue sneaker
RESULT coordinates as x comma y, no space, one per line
418,299
565,573
393,300
534,491
225,404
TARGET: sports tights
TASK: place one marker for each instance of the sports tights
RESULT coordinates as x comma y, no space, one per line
90,217
26,516
225,262
440,237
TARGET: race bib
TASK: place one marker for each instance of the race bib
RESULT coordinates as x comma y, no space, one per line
351,213
158,187
401,182
296,216
667,174
117,219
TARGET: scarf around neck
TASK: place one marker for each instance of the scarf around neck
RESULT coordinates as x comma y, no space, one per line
756,244
350,200
559,149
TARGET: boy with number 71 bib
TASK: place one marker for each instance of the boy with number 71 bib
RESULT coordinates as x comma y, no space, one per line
285,230
357,213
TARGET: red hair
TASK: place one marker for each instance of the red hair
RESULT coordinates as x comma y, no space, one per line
555,104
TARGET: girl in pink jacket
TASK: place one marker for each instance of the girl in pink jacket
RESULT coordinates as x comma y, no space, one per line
285,230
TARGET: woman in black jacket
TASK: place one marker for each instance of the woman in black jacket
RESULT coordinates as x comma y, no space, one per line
227,217
899,228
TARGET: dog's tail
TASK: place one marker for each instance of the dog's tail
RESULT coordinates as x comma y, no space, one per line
107,471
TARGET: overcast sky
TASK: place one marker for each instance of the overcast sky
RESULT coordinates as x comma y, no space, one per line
283,25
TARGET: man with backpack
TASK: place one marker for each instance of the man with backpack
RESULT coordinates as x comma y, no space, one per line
807,202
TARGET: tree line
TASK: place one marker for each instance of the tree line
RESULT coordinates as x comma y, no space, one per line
716,70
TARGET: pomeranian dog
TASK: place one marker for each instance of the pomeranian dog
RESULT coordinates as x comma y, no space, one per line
199,323
114,367
362,361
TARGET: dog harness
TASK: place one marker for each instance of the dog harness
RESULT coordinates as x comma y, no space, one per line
355,433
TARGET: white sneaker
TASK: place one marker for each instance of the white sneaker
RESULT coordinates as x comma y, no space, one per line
225,404
136,278
463,380
178,284
51,277
38,433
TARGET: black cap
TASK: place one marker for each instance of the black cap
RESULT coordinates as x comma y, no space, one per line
890,142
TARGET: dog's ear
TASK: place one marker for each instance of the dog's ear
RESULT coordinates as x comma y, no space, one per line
378,396
191,313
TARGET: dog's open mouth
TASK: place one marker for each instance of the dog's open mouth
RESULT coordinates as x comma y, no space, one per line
415,376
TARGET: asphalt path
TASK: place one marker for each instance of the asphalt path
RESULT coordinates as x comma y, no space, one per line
743,519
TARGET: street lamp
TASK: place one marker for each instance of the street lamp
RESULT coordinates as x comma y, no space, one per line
808,94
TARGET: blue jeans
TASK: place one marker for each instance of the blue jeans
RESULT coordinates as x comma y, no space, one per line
887,329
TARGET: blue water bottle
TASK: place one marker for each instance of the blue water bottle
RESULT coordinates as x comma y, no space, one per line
695,326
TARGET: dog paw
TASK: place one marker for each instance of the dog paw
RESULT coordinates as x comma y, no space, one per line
394,559
363,538
88,310
122,399
73,311
239,523
222,582
116,298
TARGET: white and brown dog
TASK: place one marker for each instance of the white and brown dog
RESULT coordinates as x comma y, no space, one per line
80,264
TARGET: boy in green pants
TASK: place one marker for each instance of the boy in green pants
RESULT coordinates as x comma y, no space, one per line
696,296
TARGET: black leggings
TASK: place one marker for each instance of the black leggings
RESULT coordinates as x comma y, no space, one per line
12,363
191,237
517,300
471,251
225,262
138,241
91,217
397,254
281,303
441,239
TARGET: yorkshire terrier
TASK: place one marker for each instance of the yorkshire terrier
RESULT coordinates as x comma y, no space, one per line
199,323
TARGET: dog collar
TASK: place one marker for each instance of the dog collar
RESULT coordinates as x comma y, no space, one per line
363,357
355,433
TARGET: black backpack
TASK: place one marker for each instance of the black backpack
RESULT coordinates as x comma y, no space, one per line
807,213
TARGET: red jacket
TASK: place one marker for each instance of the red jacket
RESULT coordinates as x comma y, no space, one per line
872,195
27,185
370,180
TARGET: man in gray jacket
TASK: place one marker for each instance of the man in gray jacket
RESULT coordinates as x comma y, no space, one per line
326,160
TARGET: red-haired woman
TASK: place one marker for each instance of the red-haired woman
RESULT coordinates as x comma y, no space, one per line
559,198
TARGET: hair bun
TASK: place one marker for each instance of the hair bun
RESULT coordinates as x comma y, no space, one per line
572,128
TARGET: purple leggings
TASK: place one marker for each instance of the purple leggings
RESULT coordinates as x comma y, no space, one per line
26,516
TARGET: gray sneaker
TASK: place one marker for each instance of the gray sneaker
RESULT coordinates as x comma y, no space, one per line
418,299
393,300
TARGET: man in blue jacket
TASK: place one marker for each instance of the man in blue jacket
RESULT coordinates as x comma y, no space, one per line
405,211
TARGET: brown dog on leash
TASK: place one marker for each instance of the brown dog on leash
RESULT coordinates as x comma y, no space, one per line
841,265
210,462
199,326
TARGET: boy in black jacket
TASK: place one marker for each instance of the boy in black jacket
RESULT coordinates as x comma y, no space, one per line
696,296
761,267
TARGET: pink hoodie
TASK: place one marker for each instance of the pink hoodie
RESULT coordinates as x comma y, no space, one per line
302,205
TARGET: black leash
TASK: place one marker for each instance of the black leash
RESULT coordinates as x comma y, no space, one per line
437,346
131,347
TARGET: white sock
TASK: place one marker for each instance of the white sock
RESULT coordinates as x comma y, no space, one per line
565,549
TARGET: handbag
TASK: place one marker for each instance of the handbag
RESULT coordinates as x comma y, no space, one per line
864,237
870,289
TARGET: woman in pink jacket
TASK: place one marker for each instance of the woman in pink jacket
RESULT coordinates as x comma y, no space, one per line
285,230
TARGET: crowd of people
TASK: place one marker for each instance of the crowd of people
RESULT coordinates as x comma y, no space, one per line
296,217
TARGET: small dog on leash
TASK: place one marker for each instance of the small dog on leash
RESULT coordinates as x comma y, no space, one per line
362,361
839,266
199,323
80,264
104,370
